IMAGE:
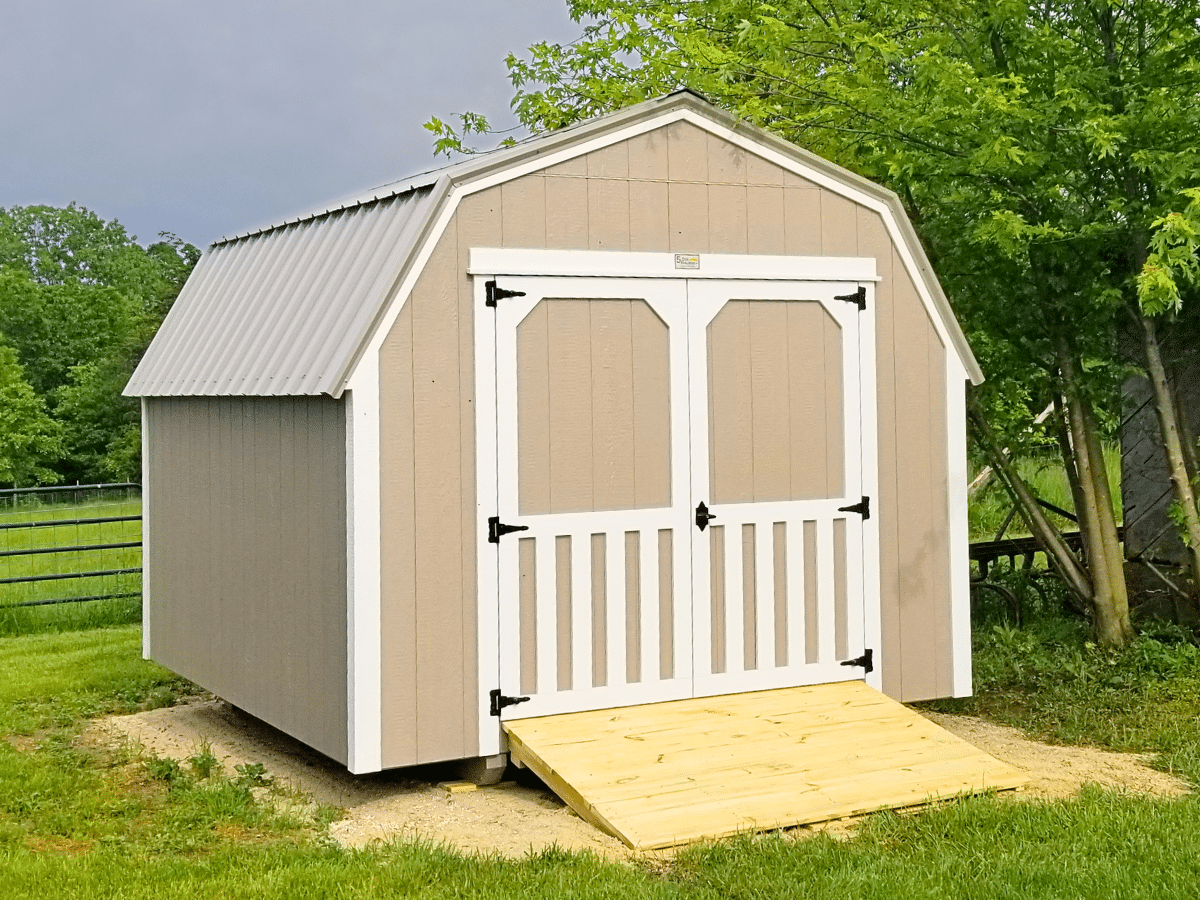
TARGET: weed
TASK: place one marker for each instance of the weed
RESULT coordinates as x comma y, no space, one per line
163,768
203,763
252,775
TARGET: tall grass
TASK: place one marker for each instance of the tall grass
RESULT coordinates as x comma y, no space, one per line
987,510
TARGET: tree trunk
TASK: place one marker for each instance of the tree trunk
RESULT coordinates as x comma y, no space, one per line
1187,440
1063,434
1096,521
1061,557
1168,423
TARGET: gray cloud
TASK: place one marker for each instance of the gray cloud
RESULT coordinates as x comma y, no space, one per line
210,118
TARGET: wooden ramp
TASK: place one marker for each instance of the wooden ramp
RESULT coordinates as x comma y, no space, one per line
668,773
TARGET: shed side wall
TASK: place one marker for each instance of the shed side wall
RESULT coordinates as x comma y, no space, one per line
248,539
679,189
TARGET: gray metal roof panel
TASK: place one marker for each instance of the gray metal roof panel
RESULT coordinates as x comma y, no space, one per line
270,313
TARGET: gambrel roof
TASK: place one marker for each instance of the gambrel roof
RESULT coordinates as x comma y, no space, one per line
287,310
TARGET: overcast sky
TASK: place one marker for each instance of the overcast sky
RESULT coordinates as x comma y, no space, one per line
208,118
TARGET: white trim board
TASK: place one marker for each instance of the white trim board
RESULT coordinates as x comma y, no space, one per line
364,726
145,531
690,266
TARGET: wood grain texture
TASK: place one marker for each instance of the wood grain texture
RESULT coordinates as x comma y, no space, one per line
600,600
776,428
249,551
875,242
666,774
592,407
922,526
527,606
749,592
716,538
687,153
666,603
437,423
398,586
563,606
633,607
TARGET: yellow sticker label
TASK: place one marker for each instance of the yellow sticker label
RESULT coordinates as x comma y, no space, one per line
687,260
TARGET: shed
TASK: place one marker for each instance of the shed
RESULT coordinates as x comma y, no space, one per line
658,406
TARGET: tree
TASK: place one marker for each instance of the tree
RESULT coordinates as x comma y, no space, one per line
30,441
1033,144
80,300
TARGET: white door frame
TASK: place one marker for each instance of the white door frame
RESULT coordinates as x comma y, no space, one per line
487,263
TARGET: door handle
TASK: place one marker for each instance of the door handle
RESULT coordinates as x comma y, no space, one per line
703,516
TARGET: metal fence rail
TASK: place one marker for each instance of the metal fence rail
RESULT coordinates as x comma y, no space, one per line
80,546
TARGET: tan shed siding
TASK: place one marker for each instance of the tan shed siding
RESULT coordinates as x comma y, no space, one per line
674,188
248,539
913,481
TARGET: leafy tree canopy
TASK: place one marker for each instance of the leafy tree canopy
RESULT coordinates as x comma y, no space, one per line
80,300
1037,146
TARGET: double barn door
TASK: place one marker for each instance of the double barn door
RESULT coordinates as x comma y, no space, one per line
683,460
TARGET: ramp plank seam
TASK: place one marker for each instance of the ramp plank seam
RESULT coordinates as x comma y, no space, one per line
669,773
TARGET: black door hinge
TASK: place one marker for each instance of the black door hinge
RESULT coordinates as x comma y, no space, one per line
496,529
499,701
703,516
858,298
862,507
498,293
867,661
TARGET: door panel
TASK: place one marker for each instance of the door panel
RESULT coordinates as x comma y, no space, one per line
621,403
594,599
774,389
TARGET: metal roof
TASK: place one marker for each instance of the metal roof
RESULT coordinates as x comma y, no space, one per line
288,309
276,312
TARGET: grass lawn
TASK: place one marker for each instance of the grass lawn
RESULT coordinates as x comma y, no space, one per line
81,821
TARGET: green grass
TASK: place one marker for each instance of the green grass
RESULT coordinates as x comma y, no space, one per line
1045,476
78,820
1050,680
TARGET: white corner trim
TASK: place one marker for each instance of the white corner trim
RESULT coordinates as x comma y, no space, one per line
960,559
869,462
491,739
145,532
364,726
690,266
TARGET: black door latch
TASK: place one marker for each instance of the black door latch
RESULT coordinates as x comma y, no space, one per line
703,516
499,701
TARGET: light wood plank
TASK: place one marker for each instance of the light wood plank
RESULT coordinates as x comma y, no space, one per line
664,774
